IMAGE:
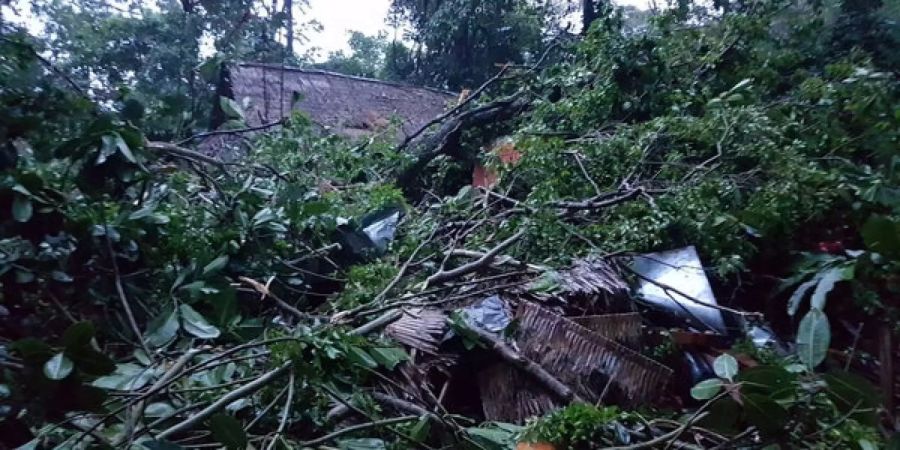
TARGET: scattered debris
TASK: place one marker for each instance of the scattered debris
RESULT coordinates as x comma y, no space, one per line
674,281
491,314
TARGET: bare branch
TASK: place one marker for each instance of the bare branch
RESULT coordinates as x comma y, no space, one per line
485,260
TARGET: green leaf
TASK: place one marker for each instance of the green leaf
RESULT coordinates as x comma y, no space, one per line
224,305
91,361
132,110
33,351
22,209
196,324
231,108
493,438
389,357
726,366
78,335
361,357
123,148
419,431
773,381
215,265
851,392
107,148
162,329
825,285
58,367
209,69
706,389
228,431
763,412
813,338
882,235
723,415
865,444
362,444
799,293
159,409
127,377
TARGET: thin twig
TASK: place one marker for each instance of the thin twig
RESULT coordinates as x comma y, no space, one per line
207,134
353,428
285,413
226,400
121,291
485,260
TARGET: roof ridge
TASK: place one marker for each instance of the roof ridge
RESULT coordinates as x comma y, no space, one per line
343,75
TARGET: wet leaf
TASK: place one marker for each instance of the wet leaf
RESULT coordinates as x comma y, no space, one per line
162,329
389,357
58,367
361,357
765,413
228,431
196,324
825,285
78,335
22,208
726,366
215,265
851,392
706,389
813,338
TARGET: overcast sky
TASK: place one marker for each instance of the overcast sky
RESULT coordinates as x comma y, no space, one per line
337,17
340,16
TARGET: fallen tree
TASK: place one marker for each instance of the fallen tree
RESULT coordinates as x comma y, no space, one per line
286,301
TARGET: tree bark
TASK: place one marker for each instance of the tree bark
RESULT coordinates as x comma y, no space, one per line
289,14
446,139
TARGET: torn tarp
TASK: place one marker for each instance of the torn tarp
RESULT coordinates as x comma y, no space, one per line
381,227
674,282
491,314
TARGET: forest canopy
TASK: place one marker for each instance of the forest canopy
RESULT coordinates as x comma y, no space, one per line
470,285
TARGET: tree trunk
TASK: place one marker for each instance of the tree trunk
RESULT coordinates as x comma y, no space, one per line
289,14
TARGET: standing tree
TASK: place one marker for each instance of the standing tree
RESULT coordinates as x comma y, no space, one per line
460,43
144,60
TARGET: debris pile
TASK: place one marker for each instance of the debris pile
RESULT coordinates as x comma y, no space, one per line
553,337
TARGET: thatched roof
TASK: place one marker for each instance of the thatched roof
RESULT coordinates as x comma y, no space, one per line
348,105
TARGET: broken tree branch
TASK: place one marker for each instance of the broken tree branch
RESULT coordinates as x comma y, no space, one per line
211,133
469,99
446,139
500,260
226,400
181,152
467,268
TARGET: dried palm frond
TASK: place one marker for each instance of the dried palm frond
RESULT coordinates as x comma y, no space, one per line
510,395
593,276
585,360
419,328
623,328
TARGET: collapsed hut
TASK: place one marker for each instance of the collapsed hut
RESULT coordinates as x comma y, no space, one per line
345,105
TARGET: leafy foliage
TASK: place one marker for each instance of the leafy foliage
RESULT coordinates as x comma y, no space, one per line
763,134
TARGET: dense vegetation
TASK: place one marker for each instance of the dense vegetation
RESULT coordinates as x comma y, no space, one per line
152,297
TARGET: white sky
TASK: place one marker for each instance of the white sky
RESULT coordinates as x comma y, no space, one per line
337,18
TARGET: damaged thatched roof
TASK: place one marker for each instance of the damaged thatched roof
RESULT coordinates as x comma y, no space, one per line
348,105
